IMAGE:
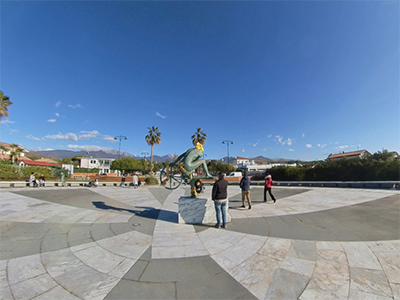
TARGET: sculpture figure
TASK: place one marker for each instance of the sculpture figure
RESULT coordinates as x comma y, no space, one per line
182,169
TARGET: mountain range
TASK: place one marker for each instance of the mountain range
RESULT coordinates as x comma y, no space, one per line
60,154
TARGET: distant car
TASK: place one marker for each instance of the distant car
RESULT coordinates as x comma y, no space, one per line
257,177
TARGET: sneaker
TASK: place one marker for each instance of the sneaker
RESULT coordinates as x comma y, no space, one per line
274,200
217,226
265,200
223,226
249,206
243,206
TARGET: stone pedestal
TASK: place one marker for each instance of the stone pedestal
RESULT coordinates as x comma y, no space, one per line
198,211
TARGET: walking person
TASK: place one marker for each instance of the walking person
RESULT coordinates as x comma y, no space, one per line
220,197
245,186
135,180
267,187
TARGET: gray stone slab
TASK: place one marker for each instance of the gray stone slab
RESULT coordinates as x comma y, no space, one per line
17,248
159,194
286,285
128,289
101,231
54,242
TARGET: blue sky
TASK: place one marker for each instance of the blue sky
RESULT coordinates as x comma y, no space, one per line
282,79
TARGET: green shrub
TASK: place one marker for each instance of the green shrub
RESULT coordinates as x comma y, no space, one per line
151,181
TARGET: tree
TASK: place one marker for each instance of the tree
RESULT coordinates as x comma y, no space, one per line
15,153
154,137
199,137
4,104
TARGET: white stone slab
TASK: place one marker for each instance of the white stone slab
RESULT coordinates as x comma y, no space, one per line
198,211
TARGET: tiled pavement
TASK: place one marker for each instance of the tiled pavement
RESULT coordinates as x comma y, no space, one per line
125,243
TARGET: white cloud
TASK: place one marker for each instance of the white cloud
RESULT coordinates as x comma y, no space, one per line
269,135
280,140
255,145
109,138
243,150
57,114
289,142
264,150
89,148
75,106
58,103
7,121
309,146
88,134
48,149
51,120
33,138
342,147
291,150
59,136
159,115
303,135
322,145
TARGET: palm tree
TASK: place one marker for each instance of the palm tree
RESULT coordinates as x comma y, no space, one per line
154,137
4,104
15,153
199,137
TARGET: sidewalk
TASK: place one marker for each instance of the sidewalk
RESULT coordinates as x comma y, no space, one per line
118,243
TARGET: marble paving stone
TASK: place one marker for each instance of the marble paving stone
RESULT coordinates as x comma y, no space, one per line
390,262
395,290
303,249
255,273
360,255
178,251
297,265
356,294
275,248
23,268
130,245
58,293
369,281
127,289
285,285
60,261
98,258
32,287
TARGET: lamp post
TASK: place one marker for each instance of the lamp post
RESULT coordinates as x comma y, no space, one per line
144,153
120,138
227,142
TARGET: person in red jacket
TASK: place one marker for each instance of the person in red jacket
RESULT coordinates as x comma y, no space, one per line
267,187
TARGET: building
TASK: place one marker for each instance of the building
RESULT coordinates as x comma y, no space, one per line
263,168
241,162
103,164
6,151
353,154
25,162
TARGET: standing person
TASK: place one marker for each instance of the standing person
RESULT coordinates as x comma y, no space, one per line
267,187
135,180
220,197
245,186
41,180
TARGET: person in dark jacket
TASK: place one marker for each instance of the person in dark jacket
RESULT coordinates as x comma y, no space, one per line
220,196
267,187
245,186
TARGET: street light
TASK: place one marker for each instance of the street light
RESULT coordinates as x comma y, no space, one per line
144,153
120,138
227,142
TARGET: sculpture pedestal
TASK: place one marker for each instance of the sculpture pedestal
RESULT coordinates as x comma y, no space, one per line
198,211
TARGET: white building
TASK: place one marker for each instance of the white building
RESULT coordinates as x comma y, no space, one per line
241,162
103,164
263,168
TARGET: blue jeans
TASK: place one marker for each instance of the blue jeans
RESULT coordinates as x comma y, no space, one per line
220,208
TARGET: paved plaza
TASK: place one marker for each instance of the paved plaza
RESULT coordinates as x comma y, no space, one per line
125,243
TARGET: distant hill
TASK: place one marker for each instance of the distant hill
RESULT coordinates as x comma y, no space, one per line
60,154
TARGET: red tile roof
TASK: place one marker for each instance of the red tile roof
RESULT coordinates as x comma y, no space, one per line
29,162
347,154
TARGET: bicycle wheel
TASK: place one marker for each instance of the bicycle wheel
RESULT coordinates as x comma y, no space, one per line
172,180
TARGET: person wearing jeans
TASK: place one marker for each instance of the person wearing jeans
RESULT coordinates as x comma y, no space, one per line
267,188
220,196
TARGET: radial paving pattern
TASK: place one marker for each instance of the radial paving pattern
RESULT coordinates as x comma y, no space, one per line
125,243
